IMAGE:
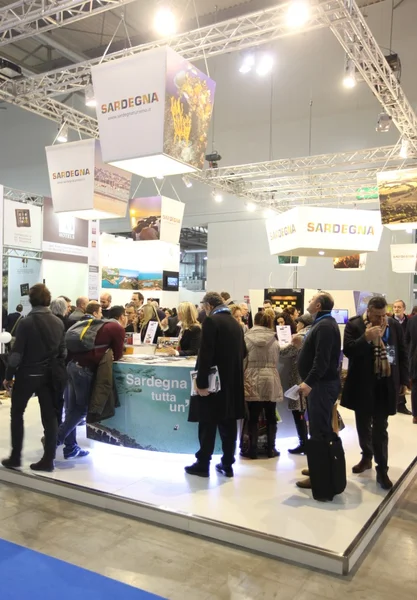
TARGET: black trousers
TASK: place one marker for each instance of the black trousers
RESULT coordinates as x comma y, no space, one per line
320,404
207,439
402,401
24,388
414,397
255,409
373,430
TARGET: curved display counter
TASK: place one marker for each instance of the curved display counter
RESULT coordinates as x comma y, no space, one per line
153,396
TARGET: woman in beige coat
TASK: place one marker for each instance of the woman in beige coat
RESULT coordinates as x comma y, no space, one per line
262,383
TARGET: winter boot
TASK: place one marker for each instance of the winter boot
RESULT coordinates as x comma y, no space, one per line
271,435
301,427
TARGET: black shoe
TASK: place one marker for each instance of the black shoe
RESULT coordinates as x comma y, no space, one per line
298,450
43,465
383,480
403,410
197,469
364,465
273,453
11,463
226,471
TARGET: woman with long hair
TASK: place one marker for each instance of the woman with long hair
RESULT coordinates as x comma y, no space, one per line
150,315
189,331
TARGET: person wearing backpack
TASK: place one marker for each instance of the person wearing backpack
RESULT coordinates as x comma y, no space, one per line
87,342
37,364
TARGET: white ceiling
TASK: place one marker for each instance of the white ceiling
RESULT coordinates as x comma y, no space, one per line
308,68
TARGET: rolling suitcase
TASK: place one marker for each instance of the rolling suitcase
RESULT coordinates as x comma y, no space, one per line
327,466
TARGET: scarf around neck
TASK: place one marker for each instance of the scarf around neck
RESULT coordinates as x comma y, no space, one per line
382,368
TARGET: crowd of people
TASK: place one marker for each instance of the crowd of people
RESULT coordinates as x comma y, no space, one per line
63,354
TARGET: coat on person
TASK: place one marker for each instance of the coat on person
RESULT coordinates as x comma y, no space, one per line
222,346
359,388
262,381
190,341
411,343
103,400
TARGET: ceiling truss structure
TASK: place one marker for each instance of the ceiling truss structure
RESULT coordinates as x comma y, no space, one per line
347,23
23,19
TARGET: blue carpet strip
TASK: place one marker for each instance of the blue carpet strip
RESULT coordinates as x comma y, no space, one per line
29,575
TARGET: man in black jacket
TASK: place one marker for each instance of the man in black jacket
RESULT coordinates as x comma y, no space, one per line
318,365
377,375
222,346
411,342
39,342
400,316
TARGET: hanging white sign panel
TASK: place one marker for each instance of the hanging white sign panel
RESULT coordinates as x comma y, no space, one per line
153,112
403,258
22,225
156,218
314,231
353,262
83,185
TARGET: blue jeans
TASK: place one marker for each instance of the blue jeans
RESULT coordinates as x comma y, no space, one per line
80,380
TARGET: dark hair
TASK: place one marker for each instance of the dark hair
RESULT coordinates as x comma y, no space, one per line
116,312
268,301
139,295
66,298
264,320
377,302
225,295
288,321
213,298
326,301
414,311
175,313
290,310
92,307
19,308
39,295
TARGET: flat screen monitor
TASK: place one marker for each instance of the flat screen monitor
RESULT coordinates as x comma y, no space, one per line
341,315
171,281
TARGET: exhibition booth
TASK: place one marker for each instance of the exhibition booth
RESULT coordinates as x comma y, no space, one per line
137,456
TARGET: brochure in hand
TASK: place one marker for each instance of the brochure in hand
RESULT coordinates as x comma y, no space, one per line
214,382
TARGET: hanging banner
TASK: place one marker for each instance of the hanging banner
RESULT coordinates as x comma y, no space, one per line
403,258
3,300
23,273
156,218
94,282
64,237
314,231
398,198
354,262
153,112
23,225
83,185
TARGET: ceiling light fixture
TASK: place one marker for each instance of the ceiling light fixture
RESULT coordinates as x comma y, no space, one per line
405,148
159,176
321,252
349,80
268,213
165,22
90,99
251,206
217,197
247,64
383,124
264,65
62,133
298,13
187,182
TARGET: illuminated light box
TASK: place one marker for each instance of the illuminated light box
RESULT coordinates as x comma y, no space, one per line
153,112
82,185
398,198
353,262
403,258
327,232
156,218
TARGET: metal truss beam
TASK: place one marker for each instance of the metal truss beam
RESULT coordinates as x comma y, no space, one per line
25,18
25,197
383,156
246,31
350,28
